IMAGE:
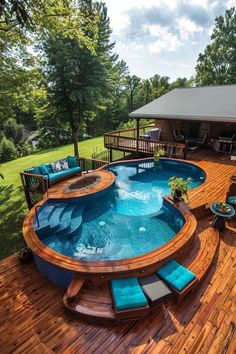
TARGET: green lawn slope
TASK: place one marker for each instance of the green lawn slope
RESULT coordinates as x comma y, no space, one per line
12,201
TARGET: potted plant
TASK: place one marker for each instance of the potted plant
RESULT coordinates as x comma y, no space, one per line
25,255
223,207
179,188
158,152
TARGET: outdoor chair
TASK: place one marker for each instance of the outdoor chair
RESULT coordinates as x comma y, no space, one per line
199,141
129,299
178,278
153,134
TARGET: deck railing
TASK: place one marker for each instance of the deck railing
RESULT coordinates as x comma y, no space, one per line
118,140
35,186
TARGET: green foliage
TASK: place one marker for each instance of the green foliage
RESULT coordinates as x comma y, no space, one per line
158,152
179,185
7,150
12,200
217,64
77,69
13,130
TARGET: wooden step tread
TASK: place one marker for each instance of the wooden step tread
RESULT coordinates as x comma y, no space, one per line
94,302
206,242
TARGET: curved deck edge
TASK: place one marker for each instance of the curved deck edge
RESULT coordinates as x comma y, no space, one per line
95,302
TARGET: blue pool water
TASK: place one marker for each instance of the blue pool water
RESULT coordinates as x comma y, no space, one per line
129,220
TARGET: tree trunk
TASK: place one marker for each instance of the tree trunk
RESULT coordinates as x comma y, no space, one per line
75,141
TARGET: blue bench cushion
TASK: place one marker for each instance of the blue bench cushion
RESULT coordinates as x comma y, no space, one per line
35,170
54,176
72,161
176,275
48,167
232,200
127,293
43,169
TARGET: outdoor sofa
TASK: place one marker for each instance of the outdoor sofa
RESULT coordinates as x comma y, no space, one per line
56,171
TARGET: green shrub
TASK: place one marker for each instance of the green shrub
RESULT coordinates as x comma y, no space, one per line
7,150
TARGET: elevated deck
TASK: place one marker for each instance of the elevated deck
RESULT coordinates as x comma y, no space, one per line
33,319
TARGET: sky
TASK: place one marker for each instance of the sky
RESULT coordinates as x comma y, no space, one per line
163,37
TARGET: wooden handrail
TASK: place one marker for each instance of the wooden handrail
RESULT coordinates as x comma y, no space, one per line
116,132
163,142
146,146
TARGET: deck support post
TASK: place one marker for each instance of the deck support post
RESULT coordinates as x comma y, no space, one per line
137,136
110,153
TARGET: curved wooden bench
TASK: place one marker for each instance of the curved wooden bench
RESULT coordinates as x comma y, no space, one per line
95,302
210,240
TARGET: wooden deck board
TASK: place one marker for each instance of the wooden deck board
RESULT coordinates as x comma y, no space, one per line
33,319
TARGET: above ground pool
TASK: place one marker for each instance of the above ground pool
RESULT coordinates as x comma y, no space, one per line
128,220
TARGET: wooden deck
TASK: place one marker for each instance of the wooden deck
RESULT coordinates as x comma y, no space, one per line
33,319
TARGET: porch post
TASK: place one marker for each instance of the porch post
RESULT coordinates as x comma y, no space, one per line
137,132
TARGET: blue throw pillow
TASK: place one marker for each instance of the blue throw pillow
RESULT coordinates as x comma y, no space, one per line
35,170
43,170
72,161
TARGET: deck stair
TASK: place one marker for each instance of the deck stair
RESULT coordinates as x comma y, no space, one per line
95,301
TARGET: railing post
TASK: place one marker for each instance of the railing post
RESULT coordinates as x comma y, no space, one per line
137,138
110,155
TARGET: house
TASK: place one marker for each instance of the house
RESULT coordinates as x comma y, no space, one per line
185,117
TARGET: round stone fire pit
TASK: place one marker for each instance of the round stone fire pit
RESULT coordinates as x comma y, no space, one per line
83,182
80,186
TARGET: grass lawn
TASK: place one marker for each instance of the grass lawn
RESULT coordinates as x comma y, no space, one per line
12,201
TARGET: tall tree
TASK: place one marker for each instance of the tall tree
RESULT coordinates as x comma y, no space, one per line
132,83
77,63
217,64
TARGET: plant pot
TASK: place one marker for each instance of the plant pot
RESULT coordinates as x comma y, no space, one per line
25,257
177,196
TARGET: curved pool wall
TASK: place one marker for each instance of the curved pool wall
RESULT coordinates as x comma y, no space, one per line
59,276
128,221
59,268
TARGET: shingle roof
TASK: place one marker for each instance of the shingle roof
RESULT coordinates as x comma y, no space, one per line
212,103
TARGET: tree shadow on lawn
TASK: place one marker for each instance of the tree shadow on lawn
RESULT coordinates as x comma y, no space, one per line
12,212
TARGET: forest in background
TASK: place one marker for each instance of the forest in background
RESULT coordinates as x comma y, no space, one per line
60,74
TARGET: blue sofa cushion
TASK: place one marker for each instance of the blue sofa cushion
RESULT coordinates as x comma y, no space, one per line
72,161
48,167
43,170
232,200
127,293
54,176
35,170
176,275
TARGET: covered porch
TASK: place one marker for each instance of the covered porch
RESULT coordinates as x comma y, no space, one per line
138,142
185,119
177,137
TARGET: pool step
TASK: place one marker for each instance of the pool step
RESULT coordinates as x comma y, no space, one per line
75,223
66,218
49,221
56,218
62,221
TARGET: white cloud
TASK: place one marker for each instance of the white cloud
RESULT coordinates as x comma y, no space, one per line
187,28
154,35
166,41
